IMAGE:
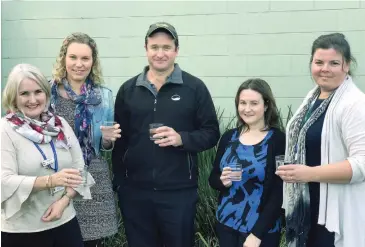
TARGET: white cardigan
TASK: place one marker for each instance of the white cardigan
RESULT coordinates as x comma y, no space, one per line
342,206
22,208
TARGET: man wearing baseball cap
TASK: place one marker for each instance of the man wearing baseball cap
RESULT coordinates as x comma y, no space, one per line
155,168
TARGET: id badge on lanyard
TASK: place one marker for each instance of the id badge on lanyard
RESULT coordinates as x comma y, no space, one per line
50,163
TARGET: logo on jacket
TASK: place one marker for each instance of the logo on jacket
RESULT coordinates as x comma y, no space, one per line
175,97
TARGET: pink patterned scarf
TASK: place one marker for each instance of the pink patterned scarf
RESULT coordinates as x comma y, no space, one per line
42,131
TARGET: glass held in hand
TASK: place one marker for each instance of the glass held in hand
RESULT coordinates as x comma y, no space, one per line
83,173
280,161
236,171
108,128
152,130
109,124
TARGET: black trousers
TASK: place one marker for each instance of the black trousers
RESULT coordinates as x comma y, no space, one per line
319,236
69,234
93,243
230,238
158,218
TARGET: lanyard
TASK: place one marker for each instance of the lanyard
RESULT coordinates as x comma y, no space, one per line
308,113
48,162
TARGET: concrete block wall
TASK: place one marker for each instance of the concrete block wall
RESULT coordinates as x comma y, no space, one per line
222,42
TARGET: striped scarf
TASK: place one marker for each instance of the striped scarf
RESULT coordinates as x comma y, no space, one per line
297,194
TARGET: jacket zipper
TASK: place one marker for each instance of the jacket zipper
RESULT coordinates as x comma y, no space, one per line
190,162
123,159
154,168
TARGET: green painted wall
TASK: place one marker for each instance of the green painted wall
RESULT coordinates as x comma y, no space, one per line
221,42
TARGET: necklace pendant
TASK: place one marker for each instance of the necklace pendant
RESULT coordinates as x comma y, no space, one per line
47,163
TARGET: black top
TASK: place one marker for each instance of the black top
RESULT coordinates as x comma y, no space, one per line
313,158
271,198
187,107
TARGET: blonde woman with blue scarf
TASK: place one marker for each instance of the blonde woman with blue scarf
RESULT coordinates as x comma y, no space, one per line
325,182
77,95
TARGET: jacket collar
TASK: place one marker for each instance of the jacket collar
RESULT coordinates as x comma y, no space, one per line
175,77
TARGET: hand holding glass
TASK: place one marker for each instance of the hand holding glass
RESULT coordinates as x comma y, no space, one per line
110,130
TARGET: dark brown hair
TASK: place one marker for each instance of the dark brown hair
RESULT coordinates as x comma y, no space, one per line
336,41
271,115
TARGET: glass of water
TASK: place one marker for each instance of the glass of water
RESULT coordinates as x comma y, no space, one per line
83,173
280,161
236,171
109,125
153,127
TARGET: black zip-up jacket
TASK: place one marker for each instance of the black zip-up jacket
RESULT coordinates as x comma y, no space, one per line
272,197
187,107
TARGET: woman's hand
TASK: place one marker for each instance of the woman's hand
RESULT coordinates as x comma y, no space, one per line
225,177
69,177
110,133
252,241
55,211
295,173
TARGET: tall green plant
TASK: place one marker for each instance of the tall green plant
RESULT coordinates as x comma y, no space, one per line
207,204
289,115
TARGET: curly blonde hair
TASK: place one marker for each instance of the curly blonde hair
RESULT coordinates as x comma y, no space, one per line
59,69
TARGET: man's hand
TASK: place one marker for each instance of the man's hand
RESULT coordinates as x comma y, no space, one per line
169,137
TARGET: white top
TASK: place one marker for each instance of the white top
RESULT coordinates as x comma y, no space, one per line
22,209
342,206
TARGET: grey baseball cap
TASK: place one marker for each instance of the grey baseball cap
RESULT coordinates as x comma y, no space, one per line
162,25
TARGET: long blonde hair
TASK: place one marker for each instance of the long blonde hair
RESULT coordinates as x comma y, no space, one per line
59,69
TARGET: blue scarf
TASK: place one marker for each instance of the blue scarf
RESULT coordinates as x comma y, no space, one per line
89,97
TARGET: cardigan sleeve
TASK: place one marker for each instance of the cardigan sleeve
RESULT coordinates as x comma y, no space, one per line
353,134
272,209
214,178
15,188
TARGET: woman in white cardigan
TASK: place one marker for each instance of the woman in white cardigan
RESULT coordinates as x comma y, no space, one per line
41,161
324,190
